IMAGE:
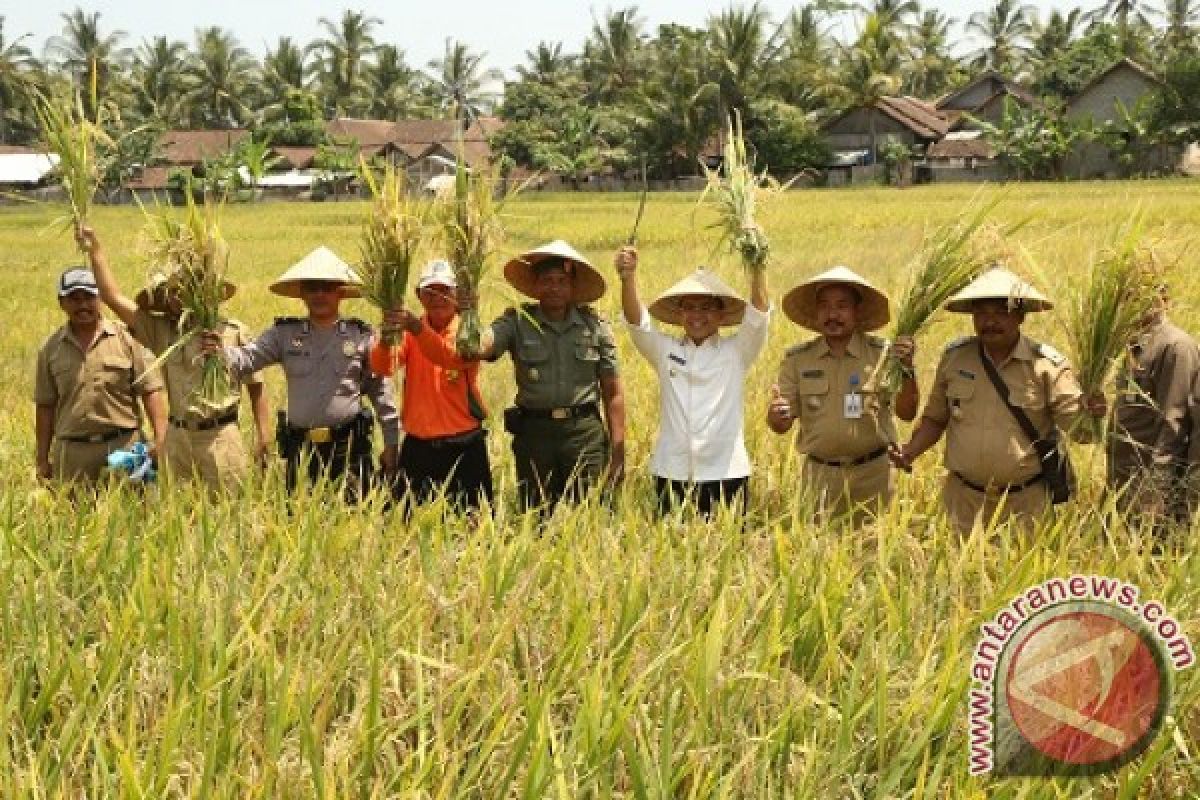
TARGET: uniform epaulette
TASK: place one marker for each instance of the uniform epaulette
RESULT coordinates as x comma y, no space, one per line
959,342
290,320
355,322
875,341
1050,354
800,348
589,311
511,311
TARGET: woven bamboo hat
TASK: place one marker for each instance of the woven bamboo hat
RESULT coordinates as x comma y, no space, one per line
154,296
800,304
586,282
1000,284
700,283
321,264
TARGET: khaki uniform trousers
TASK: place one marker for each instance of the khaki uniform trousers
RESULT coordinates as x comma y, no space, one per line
216,457
965,506
86,461
862,490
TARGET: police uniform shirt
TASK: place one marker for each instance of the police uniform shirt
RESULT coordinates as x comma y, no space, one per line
557,363
819,387
96,391
1150,415
701,398
984,441
183,368
327,372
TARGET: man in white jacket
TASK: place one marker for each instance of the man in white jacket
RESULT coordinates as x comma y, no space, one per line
700,455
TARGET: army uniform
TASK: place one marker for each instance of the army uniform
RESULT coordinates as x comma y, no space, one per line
201,441
991,462
328,374
1149,438
846,468
560,442
95,397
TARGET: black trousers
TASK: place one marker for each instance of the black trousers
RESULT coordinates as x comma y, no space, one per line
331,460
703,495
458,463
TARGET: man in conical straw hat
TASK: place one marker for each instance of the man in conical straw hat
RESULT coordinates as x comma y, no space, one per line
994,471
565,364
821,384
700,455
202,441
325,359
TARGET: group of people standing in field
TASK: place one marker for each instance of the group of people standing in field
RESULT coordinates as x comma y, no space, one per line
997,397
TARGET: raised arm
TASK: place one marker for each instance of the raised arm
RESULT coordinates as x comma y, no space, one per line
631,303
106,282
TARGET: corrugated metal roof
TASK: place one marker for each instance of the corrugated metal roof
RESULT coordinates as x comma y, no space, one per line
26,169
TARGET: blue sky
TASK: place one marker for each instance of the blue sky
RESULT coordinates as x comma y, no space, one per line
503,30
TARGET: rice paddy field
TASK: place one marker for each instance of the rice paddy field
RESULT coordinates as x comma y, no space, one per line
173,644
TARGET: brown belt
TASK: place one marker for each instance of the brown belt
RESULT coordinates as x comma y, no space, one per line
1011,488
205,424
99,438
850,462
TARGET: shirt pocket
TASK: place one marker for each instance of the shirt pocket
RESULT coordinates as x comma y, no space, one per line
533,358
813,394
115,374
297,365
960,394
587,357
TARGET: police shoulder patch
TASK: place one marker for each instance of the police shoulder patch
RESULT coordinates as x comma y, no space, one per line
1050,354
959,342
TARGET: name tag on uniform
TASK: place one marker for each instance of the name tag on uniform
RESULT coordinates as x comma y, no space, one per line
852,406
680,360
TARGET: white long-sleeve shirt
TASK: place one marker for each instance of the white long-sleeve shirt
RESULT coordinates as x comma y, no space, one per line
701,398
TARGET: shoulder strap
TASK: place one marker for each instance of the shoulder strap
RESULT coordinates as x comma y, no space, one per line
1002,388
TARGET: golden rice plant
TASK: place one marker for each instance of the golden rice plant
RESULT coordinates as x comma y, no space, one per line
78,142
392,240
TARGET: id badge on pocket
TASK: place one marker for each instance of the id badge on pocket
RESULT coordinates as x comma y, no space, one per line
852,406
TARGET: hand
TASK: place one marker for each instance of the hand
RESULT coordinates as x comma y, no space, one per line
779,411
389,459
1097,405
900,457
210,343
262,454
626,262
616,466
904,350
85,237
466,298
45,472
402,319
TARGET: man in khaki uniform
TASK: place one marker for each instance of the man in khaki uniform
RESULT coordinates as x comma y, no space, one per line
202,441
821,386
993,467
1150,433
90,375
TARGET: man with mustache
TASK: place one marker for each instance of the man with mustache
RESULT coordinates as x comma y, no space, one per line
91,373
994,471
821,387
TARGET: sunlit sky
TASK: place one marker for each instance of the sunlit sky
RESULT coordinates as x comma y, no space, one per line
502,30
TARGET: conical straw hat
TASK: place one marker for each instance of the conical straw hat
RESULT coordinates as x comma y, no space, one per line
155,294
587,283
321,264
1000,284
800,304
699,283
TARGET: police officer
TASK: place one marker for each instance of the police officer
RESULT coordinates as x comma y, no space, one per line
325,359
821,386
90,375
993,467
565,360
202,440
1150,432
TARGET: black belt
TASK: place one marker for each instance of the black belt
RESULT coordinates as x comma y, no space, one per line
854,462
205,424
457,440
566,412
1011,488
325,435
99,438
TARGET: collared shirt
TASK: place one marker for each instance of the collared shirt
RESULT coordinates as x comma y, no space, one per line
984,441
558,363
95,391
1150,426
327,369
701,405
183,368
816,383
438,400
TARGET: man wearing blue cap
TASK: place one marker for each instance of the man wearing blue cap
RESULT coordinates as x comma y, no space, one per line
91,374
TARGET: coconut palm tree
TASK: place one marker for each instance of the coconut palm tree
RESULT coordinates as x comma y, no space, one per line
1005,29
158,79
612,54
930,61
872,68
893,15
92,57
394,85
219,80
747,49
16,74
285,66
341,61
806,58
459,81
1179,20
1133,23
546,63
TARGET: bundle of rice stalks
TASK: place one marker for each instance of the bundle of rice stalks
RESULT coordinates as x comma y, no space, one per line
1104,315
392,240
196,258
471,229
951,257
735,192
77,141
